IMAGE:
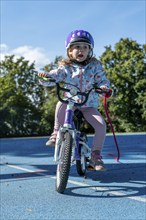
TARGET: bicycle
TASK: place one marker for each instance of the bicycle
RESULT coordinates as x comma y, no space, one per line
71,144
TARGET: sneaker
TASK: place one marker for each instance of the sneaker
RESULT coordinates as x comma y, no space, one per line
96,163
52,140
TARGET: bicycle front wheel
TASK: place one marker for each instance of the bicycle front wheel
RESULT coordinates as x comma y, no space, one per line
63,167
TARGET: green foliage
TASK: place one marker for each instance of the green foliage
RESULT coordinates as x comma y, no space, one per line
47,117
20,98
28,108
48,107
125,67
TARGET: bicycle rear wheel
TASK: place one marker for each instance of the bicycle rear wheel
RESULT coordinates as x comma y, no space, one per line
63,167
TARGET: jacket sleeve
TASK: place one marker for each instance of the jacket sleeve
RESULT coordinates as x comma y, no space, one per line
100,76
57,74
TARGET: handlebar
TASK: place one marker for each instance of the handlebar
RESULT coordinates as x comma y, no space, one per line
83,94
74,92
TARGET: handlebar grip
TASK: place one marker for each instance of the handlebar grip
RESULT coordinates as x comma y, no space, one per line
109,93
46,78
51,80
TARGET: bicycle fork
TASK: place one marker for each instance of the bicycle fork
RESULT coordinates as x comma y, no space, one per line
69,126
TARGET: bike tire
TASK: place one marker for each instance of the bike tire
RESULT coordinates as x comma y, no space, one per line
79,166
63,167
82,163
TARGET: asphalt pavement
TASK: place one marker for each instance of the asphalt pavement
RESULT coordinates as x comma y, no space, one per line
28,172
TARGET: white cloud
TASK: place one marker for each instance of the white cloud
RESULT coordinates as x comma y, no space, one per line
3,47
3,51
37,55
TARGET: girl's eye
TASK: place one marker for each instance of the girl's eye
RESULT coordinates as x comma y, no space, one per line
79,47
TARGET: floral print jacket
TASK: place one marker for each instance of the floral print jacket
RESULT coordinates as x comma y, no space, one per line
81,77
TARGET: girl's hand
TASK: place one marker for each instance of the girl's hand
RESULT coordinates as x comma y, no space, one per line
42,74
108,91
104,88
43,77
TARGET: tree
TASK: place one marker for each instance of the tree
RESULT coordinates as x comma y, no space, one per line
125,67
21,98
49,105
28,108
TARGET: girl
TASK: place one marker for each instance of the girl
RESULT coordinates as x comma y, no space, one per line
82,70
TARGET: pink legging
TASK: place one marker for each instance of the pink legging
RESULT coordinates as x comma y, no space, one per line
92,116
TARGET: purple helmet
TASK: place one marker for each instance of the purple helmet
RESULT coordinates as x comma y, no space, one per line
79,36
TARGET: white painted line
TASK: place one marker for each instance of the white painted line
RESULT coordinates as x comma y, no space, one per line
137,198
27,170
20,168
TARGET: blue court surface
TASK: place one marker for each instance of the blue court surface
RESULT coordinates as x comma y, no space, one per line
28,182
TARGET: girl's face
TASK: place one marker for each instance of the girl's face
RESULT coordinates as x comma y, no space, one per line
79,51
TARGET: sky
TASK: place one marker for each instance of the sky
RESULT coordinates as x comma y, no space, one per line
37,29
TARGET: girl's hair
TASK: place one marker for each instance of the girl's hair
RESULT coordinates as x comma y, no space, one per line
68,61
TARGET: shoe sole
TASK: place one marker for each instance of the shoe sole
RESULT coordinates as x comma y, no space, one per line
50,145
90,168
